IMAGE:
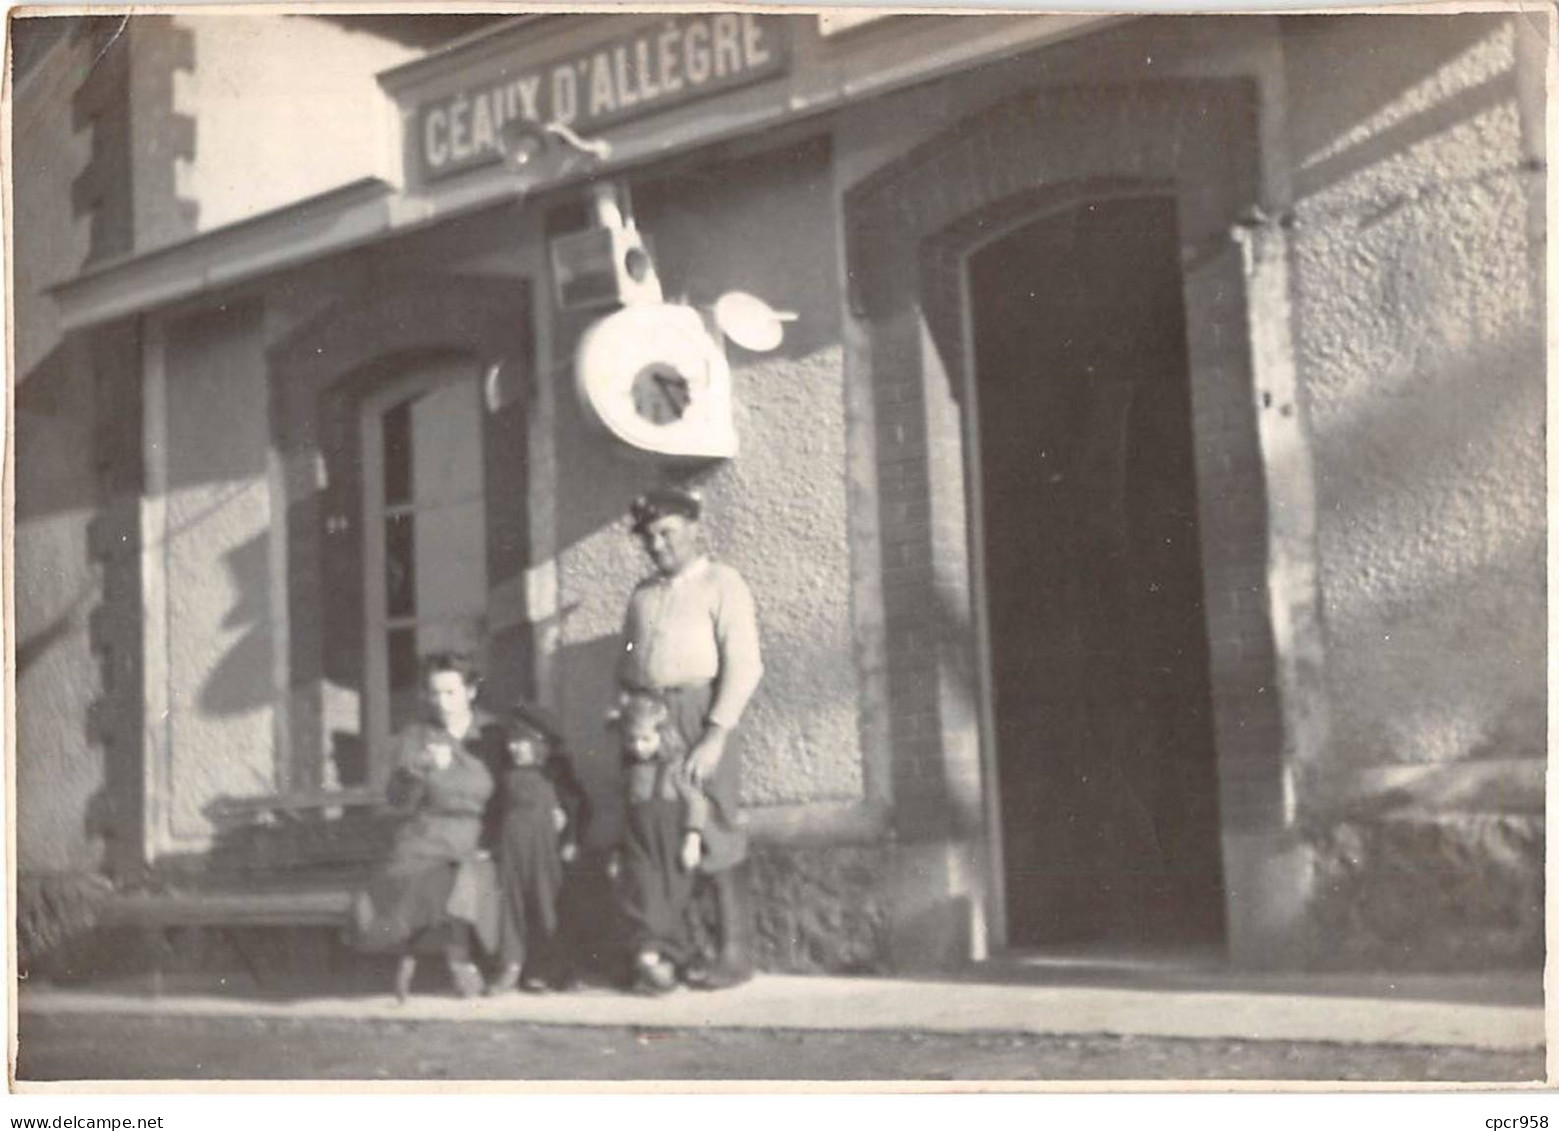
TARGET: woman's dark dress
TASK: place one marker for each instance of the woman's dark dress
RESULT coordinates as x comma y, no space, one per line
434,877
530,866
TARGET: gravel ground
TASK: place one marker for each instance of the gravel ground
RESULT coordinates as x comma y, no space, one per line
66,1047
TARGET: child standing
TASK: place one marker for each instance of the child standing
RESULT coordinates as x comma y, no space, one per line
663,843
538,810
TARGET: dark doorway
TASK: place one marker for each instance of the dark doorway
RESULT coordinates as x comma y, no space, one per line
1093,577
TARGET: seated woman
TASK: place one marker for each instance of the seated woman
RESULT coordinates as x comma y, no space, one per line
437,889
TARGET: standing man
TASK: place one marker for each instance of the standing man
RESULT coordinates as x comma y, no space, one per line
691,636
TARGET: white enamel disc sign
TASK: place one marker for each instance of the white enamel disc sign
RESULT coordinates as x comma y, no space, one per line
653,377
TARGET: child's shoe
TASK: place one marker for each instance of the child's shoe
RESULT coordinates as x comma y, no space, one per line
508,978
405,971
466,977
653,976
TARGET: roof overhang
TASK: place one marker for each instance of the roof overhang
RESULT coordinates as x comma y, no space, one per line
348,217
907,51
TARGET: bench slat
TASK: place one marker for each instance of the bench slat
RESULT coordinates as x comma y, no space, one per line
300,801
322,907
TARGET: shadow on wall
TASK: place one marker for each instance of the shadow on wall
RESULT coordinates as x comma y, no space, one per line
37,644
587,685
790,189
58,424
1421,352
231,688
77,655
1457,450
1332,97
54,393
1432,543
51,482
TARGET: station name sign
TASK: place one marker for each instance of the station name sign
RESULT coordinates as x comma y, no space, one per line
654,69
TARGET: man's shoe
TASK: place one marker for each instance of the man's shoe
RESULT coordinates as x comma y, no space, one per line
653,976
696,972
650,987
720,976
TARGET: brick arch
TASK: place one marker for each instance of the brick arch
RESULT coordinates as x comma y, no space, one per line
1101,134
319,374
909,228
399,315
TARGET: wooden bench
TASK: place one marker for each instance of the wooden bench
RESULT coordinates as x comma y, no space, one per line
286,860
231,915
323,906
242,887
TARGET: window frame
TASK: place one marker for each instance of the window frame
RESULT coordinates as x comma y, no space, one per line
426,377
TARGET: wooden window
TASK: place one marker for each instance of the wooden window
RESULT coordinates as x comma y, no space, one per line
425,538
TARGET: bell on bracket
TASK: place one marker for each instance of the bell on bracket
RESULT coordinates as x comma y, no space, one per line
547,152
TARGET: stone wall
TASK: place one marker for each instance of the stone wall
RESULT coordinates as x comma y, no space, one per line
1453,891
823,909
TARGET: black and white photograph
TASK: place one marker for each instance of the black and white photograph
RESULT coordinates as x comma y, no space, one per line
703,546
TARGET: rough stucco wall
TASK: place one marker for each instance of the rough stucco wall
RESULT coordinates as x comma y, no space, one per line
51,240
1418,337
254,95
777,512
221,686
59,767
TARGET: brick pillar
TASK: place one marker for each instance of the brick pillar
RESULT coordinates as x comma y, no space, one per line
101,105
118,715
933,693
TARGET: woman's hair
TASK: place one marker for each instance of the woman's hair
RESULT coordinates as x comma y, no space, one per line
461,663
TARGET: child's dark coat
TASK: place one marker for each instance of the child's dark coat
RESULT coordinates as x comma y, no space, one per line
527,848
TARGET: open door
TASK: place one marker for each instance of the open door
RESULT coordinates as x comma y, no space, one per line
1099,657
